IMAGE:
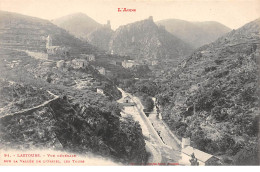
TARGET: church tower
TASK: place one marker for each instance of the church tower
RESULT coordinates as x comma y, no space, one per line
49,41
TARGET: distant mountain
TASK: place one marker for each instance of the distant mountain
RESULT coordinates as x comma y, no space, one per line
195,33
78,24
145,40
25,32
214,96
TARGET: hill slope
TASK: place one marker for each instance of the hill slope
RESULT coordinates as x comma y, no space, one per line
80,119
195,33
145,40
213,96
101,37
77,24
25,32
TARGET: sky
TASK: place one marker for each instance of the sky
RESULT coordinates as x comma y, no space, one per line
232,13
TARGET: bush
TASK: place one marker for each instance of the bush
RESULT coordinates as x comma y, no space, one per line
212,68
225,144
163,99
114,108
199,140
249,155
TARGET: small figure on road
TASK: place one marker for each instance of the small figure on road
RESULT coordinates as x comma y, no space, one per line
194,160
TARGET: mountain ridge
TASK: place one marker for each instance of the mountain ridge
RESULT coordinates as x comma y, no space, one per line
195,33
145,40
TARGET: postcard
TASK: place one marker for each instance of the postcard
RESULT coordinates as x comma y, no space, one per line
129,82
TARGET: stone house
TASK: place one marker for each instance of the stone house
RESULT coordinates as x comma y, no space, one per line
127,99
203,158
100,91
129,63
89,57
79,63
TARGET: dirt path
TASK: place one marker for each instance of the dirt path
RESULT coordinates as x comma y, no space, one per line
35,107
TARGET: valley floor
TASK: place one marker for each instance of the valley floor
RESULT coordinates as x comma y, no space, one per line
163,147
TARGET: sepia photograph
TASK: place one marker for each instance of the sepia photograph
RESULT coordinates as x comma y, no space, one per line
129,82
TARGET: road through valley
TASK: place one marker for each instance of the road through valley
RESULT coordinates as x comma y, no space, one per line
164,148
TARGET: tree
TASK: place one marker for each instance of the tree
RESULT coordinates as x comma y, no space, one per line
225,143
199,138
141,70
163,99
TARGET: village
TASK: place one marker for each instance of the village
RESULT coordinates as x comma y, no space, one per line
58,58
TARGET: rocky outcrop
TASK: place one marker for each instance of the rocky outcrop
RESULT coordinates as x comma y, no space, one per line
145,40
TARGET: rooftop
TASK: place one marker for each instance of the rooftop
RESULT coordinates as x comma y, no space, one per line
202,156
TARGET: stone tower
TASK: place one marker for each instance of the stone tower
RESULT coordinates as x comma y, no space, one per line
108,24
48,41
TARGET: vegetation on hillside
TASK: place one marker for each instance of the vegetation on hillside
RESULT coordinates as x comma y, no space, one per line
213,97
80,120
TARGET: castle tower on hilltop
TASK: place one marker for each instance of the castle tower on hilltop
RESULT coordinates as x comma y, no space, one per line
108,25
48,41
150,18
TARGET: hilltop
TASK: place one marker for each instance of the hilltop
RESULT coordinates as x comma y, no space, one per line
195,33
78,24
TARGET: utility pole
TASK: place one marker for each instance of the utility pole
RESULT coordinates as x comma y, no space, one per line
194,110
